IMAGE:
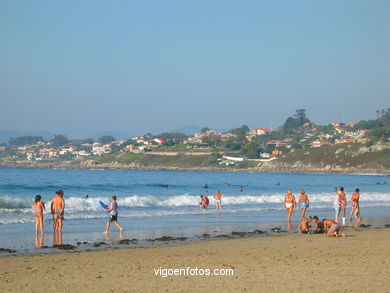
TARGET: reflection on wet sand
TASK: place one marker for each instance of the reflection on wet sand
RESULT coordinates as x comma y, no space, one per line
39,240
108,238
57,239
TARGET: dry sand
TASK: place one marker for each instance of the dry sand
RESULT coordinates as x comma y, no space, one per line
279,263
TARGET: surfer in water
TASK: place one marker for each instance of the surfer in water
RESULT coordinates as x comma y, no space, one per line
113,210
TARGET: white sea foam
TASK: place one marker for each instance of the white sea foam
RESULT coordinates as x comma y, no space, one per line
78,204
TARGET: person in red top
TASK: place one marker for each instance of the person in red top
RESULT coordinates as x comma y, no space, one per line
355,210
204,203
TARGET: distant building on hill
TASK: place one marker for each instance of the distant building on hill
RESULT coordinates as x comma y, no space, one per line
259,131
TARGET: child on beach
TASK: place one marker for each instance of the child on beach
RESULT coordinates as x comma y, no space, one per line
319,226
218,200
304,225
38,212
289,204
113,209
303,204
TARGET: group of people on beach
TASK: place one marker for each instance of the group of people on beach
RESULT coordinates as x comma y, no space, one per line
327,226
57,208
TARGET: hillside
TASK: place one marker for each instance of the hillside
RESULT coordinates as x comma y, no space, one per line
337,158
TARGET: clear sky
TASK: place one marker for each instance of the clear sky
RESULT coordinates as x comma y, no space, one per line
81,67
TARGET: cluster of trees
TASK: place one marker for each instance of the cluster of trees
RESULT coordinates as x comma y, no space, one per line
382,120
58,140
24,140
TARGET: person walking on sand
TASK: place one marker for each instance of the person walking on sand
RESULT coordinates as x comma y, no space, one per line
113,209
337,202
355,210
289,204
303,203
218,200
57,210
38,212
343,204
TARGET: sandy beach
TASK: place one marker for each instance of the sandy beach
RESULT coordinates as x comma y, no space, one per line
276,263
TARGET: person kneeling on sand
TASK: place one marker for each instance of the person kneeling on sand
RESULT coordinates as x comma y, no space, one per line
304,225
319,225
334,228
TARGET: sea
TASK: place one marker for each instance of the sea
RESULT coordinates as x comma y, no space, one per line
148,209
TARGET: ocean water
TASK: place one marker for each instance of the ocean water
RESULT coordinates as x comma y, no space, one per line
146,207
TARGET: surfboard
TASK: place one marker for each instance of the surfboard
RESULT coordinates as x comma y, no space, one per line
103,205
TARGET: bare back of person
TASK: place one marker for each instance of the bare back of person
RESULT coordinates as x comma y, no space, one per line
57,210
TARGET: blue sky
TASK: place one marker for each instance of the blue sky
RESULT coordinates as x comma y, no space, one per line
82,67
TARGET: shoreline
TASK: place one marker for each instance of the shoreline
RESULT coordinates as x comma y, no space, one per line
93,241
273,263
70,165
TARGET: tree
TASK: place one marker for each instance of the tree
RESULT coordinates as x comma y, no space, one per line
240,131
204,129
60,139
106,139
300,115
25,140
297,120
171,135
250,151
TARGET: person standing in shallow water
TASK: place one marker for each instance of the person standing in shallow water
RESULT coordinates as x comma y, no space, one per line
303,204
343,204
113,216
218,200
355,210
289,204
38,212
57,210
337,202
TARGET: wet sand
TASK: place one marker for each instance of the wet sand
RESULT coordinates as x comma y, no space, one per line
276,263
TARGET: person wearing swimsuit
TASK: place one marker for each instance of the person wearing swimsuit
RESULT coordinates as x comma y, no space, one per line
355,210
343,204
303,204
38,212
289,204
57,210
218,200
